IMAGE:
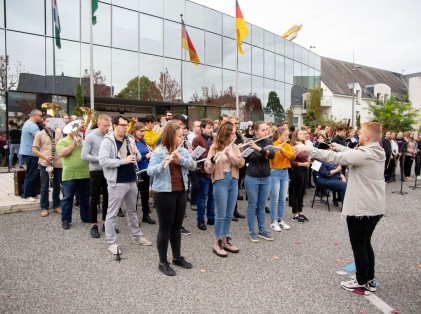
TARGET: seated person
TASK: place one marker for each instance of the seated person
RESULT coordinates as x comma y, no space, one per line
330,176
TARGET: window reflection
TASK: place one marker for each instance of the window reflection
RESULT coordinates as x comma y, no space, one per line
150,66
195,14
28,16
257,63
244,61
173,67
154,7
229,26
244,84
289,71
213,21
193,81
150,40
304,75
173,9
102,29
279,89
311,59
311,78
172,39
288,97
197,38
257,87
289,49
269,86
279,68
125,28
213,91
279,45
213,49
297,73
229,81
102,70
2,14
69,19
229,53
269,41
297,53
317,62
304,56
129,4
125,72
257,36
269,64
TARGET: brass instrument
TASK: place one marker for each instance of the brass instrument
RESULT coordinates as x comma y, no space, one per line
51,108
165,163
89,117
73,129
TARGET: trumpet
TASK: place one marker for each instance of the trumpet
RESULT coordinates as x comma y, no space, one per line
165,163
224,151
132,151
255,141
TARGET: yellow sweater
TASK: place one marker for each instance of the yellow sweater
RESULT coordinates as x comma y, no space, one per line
281,160
151,137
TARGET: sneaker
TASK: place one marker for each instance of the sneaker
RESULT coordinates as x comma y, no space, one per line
265,235
114,249
37,197
193,207
142,241
372,284
297,219
166,269
44,213
182,263
30,199
275,227
94,231
253,237
65,226
303,218
184,231
353,286
57,210
283,225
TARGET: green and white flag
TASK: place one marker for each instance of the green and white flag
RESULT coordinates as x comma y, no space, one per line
56,20
94,8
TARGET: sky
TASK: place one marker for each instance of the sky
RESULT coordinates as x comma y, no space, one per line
384,34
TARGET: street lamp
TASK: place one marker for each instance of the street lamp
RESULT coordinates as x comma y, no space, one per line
354,68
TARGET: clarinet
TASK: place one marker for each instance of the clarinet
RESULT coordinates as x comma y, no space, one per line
138,172
50,168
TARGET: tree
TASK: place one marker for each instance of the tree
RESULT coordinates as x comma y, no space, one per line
394,115
100,87
168,87
275,107
9,75
253,107
80,101
310,119
314,101
140,88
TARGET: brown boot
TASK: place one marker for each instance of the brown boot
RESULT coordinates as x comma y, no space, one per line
218,250
228,246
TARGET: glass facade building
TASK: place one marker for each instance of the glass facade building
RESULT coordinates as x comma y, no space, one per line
139,63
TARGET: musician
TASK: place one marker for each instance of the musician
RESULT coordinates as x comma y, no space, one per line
75,175
279,176
143,186
98,183
151,136
44,147
117,155
223,165
389,163
169,166
395,154
205,185
364,203
257,182
410,153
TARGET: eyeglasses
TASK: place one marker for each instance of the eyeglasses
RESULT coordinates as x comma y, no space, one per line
123,125
236,122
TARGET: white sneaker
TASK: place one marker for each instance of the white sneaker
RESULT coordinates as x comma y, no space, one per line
419,178
353,286
30,199
275,227
283,225
142,241
114,249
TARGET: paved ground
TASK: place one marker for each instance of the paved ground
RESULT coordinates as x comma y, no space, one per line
45,269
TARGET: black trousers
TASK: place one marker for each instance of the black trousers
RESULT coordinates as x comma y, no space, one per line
360,230
299,180
170,208
144,192
389,165
98,184
407,165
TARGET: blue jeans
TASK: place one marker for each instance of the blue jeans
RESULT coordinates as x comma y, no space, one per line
334,185
278,193
31,175
13,148
45,185
70,188
258,190
225,192
205,192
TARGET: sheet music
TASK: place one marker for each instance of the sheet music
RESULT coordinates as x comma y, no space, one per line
271,147
197,152
316,165
246,152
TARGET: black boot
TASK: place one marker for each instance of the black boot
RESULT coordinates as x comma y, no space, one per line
238,215
146,218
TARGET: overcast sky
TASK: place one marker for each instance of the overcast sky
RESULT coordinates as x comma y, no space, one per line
384,34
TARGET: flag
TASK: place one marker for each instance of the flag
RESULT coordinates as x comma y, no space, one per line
292,32
188,45
56,20
242,29
94,8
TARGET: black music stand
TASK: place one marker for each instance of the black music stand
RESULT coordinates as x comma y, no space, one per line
417,161
401,161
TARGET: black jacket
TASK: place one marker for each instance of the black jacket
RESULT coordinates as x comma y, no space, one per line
258,162
387,146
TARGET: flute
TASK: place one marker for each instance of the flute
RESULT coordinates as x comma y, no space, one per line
255,141
224,150
165,163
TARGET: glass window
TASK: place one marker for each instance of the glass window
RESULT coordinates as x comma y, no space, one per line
269,41
257,87
229,81
21,60
195,14
289,49
150,66
125,29
279,89
69,19
3,83
174,74
257,61
213,49
289,71
269,86
229,53
173,9
129,4
317,62
21,103
310,78
244,84
244,61
172,39
311,59
297,73
229,26
304,56
269,64
279,68
213,79
288,96
102,29
317,77
257,36
125,69
304,75
297,53
279,45
154,7
25,16
1,13
197,38
213,21
151,29
193,81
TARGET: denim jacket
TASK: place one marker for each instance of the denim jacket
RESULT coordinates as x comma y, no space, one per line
162,176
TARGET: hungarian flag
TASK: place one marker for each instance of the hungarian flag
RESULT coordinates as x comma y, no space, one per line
188,45
57,28
94,8
242,29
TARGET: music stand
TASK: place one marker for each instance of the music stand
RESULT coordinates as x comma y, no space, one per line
417,161
401,161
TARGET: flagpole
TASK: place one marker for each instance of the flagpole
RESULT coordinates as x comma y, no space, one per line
54,51
237,107
80,42
181,57
91,57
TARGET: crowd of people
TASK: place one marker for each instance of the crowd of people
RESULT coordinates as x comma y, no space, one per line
111,165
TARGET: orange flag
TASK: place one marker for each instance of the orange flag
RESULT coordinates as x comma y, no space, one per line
242,29
188,45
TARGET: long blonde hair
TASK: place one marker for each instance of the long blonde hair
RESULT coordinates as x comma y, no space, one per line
223,137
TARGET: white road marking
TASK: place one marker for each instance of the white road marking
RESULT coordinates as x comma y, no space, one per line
379,303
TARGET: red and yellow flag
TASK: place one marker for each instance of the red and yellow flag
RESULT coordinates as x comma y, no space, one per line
188,45
242,29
